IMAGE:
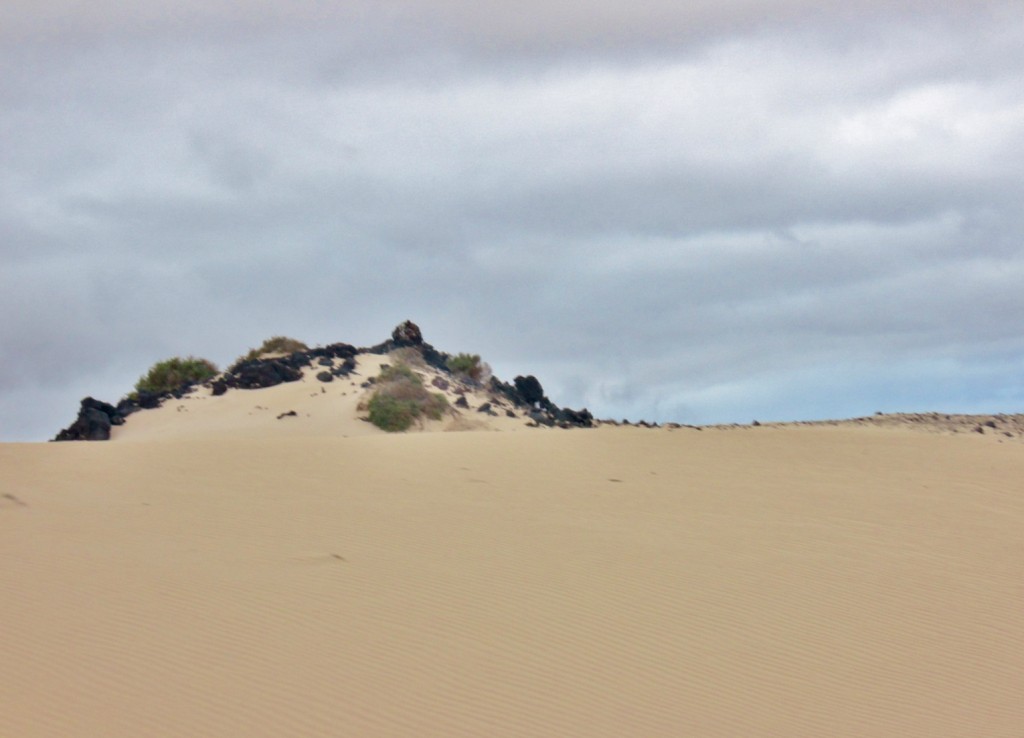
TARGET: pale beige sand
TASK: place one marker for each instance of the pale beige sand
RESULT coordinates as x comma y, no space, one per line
758,582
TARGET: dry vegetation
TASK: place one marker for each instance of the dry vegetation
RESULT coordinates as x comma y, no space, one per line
400,399
470,368
273,345
171,374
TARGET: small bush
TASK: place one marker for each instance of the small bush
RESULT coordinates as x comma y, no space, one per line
468,365
399,373
170,374
400,399
392,414
435,405
282,345
273,345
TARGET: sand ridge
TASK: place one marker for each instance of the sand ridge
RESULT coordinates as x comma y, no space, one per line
620,581
308,407
998,425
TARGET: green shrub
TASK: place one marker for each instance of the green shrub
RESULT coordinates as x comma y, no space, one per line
282,345
401,399
399,373
433,405
170,374
466,364
469,368
391,414
273,345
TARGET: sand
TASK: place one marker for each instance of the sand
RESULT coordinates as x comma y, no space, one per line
305,408
801,581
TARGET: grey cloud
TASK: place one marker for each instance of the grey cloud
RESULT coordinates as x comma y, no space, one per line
524,29
784,210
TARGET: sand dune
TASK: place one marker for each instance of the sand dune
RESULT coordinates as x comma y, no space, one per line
618,581
299,409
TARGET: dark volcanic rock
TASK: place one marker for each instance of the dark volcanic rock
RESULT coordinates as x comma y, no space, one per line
103,407
342,350
332,351
97,425
527,393
486,408
577,418
219,388
93,423
461,402
148,400
325,377
259,373
541,418
347,367
529,389
407,334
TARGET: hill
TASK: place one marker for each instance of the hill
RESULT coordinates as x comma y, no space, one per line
325,390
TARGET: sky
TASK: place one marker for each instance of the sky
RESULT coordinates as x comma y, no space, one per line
706,212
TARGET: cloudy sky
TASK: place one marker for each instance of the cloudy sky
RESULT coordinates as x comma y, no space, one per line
703,212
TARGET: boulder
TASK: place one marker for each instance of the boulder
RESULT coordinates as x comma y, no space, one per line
529,389
577,418
325,377
347,367
148,400
93,423
541,418
260,373
341,350
407,334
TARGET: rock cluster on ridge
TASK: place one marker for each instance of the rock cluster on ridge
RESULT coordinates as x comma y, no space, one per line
525,393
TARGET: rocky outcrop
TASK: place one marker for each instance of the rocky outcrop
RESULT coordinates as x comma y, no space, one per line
575,418
407,334
530,390
93,423
345,368
527,392
335,350
259,373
